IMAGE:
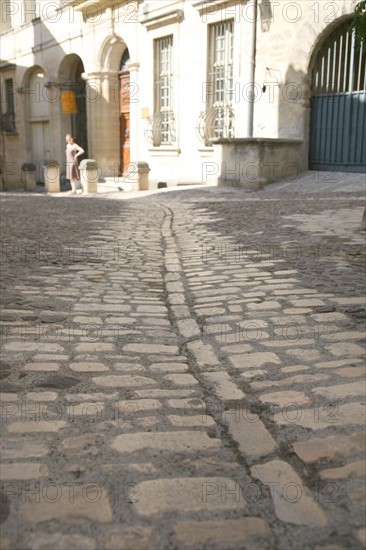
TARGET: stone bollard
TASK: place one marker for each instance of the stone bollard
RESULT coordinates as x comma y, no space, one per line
51,174
29,176
143,175
89,175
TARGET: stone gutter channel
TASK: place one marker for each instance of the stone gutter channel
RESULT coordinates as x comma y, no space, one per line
226,403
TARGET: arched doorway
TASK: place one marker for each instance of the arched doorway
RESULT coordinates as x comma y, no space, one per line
74,119
38,119
338,104
124,113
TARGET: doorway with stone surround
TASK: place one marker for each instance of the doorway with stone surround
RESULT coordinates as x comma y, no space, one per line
124,113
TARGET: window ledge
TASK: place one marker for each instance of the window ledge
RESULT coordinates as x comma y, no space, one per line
164,152
206,151
13,133
39,119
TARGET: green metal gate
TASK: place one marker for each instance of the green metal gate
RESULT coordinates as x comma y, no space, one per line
338,105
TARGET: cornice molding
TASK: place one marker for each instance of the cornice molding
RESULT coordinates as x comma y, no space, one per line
161,20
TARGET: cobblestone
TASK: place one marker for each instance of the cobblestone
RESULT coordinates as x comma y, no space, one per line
195,387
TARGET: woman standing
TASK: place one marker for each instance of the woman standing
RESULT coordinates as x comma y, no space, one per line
72,170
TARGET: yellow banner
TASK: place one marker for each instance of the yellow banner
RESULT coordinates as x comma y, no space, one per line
68,102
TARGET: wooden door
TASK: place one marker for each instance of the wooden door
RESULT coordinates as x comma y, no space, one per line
124,118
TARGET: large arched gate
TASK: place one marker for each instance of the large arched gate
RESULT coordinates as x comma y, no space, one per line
338,105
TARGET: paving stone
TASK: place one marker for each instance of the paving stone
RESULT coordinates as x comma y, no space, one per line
345,348
125,367
340,363
181,379
89,503
296,379
52,316
58,382
359,300
87,366
34,426
121,381
344,335
8,397
201,420
197,494
188,328
270,304
297,311
308,355
224,387
309,302
239,348
330,447
295,368
59,541
32,346
285,398
48,367
151,348
330,317
353,389
128,538
23,471
152,309
77,397
39,357
351,372
322,417
357,468
133,406
23,448
292,501
204,353
119,320
85,442
192,404
168,367
85,410
253,360
224,533
253,374
180,441
94,347
250,433
84,319
42,396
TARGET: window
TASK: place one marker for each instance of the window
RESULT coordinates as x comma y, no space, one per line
8,118
164,122
219,116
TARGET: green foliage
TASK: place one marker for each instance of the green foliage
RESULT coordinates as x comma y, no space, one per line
359,22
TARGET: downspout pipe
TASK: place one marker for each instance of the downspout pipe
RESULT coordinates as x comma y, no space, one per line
253,48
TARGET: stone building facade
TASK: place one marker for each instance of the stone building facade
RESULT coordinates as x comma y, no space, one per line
197,89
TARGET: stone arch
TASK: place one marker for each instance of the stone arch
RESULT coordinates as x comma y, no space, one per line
321,37
111,53
70,77
116,108
37,117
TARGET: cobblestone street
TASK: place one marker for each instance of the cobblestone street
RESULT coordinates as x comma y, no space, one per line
184,369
